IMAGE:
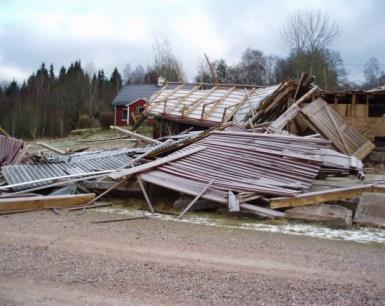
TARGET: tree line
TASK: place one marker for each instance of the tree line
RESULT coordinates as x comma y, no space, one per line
50,105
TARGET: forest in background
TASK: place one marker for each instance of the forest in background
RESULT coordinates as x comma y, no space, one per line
50,104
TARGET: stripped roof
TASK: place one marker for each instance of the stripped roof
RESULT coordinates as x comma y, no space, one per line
133,92
207,106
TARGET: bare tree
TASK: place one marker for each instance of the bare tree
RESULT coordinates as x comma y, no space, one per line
165,62
372,73
127,73
309,31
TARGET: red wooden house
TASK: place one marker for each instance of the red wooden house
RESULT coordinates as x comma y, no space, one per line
131,101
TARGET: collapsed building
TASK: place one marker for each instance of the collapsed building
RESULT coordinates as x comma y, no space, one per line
245,147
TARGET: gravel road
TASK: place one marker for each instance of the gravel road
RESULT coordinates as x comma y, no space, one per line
48,259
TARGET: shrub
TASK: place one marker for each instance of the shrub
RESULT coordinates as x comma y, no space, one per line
106,119
84,122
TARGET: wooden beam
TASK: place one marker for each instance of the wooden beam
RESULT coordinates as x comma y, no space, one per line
4,132
221,85
170,95
193,106
216,104
42,202
343,140
320,196
195,199
188,95
238,107
148,105
156,163
262,211
21,154
51,148
120,219
103,194
213,74
135,135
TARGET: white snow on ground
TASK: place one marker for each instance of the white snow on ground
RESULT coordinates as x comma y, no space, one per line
363,234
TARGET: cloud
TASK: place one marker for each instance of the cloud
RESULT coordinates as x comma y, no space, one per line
13,73
115,32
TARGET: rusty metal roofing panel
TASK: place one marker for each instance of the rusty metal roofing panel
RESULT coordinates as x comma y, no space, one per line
9,147
244,162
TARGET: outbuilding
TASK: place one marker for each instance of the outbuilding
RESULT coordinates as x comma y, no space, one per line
131,101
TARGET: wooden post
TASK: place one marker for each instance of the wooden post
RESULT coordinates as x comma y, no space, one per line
102,194
145,194
195,199
138,136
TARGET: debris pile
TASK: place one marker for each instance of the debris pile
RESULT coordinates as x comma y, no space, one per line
263,153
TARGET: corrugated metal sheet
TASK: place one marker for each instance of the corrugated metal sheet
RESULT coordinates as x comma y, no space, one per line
260,164
9,147
212,105
81,163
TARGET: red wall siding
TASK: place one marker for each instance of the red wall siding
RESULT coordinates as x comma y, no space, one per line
119,116
132,110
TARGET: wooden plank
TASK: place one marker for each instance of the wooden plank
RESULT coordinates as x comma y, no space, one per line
102,194
364,150
21,154
340,134
42,202
233,202
51,148
195,199
320,197
262,211
135,135
278,125
156,163
120,219
333,127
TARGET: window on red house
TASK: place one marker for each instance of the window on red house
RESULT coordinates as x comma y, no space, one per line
125,114
140,109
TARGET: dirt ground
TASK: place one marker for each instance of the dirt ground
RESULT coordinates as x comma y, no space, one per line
48,259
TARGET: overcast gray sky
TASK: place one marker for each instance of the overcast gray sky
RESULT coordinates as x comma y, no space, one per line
115,32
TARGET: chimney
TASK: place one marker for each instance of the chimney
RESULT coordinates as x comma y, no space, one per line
160,81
